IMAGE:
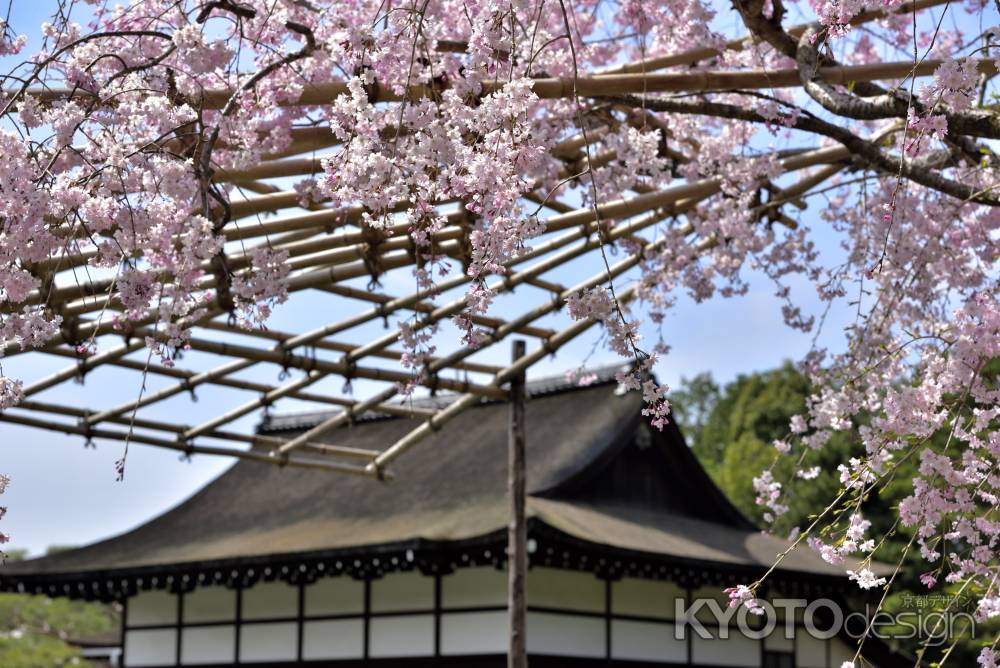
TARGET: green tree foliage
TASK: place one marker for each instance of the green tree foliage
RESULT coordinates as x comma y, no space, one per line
732,431
35,630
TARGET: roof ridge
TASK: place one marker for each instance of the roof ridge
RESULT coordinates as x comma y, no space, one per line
544,386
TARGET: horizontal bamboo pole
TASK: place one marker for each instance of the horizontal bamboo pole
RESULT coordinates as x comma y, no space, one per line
269,169
250,354
137,422
188,449
256,440
334,346
427,307
237,384
602,85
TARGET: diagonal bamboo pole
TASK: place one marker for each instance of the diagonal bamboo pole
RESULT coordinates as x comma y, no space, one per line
467,400
82,366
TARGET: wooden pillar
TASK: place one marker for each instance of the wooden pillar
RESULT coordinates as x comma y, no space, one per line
517,535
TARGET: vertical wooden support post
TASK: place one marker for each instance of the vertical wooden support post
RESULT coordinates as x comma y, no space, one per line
517,534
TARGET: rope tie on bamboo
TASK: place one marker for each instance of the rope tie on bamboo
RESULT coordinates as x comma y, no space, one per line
349,373
310,360
87,431
81,369
70,330
371,257
464,254
383,313
286,364
188,387
433,380
548,347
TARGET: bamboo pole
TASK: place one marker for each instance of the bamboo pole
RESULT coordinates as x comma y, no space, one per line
156,425
189,449
339,346
83,365
601,85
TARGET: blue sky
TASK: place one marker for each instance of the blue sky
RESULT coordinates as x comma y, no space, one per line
62,493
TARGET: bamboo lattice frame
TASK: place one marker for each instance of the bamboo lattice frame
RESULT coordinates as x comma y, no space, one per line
328,249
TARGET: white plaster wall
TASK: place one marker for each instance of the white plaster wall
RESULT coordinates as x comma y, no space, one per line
333,639
405,590
270,599
152,607
268,642
208,644
810,652
736,650
474,632
151,648
646,641
404,635
335,596
565,635
569,590
209,604
477,586
646,598
707,612
776,640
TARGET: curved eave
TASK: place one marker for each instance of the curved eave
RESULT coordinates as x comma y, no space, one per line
553,547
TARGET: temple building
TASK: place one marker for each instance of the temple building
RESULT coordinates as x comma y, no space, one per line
279,567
